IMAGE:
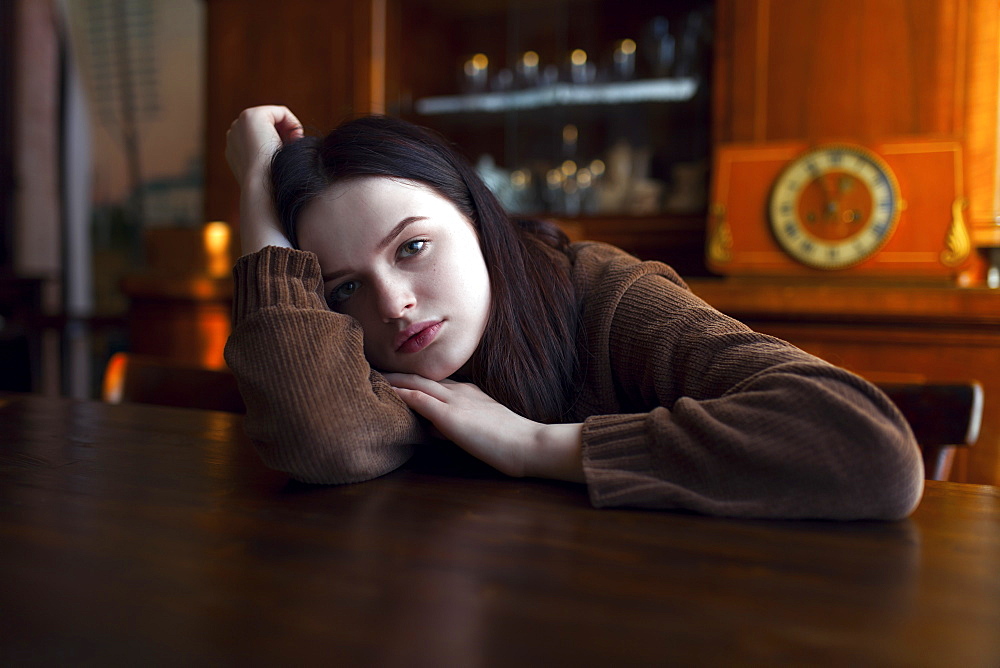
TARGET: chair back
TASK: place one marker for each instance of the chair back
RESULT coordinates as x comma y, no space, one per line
147,379
943,416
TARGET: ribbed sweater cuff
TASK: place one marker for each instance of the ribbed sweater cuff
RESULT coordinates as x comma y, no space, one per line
274,276
615,447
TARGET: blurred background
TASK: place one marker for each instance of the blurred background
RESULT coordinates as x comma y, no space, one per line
659,126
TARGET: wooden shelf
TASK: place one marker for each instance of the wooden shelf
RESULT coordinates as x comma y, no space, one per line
830,301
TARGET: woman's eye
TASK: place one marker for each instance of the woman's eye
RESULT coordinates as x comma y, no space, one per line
411,248
343,292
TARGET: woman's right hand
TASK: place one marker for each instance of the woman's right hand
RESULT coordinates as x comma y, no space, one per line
254,137
250,144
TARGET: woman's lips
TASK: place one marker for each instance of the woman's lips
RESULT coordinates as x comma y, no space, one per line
417,337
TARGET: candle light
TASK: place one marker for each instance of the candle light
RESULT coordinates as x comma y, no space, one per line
579,67
215,238
624,59
527,69
477,72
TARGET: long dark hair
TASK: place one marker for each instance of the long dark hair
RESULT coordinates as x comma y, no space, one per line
526,359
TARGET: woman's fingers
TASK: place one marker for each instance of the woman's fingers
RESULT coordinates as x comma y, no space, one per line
288,126
441,402
489,430
280,119
418,401
412,381
256,134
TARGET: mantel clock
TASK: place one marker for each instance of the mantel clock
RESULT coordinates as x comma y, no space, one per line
839,209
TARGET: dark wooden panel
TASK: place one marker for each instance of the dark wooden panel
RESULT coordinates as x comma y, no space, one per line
676,240
866,69
300,53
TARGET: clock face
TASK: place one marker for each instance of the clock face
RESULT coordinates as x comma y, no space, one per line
834,207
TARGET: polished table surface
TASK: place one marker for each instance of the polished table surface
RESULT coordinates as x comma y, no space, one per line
154,536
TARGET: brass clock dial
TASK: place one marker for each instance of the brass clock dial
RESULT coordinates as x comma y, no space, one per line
834,206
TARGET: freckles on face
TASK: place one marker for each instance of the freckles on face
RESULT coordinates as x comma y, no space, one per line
404,262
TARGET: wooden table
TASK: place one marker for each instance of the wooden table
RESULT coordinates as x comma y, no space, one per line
153,536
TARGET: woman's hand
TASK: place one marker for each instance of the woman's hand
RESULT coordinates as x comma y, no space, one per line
250,144
254,137
492,432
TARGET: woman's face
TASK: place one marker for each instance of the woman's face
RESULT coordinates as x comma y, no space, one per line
407,265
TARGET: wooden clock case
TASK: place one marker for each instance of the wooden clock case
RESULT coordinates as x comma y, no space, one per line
930,240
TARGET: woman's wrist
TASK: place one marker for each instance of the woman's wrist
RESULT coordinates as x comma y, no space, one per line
259,225
558,453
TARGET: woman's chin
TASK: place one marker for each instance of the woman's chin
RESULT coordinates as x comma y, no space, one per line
436,372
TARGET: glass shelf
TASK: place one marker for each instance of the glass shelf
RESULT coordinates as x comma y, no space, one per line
562,95
594,110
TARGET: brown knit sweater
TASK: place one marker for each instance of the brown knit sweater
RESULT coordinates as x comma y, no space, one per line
682,406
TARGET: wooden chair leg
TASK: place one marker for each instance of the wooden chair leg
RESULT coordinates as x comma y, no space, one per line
938,461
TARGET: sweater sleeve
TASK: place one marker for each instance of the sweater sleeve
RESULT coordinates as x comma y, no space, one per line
733,422
315,409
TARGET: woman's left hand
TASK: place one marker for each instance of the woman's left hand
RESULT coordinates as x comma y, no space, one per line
492,432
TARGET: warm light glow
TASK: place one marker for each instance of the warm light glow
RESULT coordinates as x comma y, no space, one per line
578,57
554,177
570,134
213,329
597,167
114,378
584,178
627,46
530,59
519,178
216,237
568,168
475,67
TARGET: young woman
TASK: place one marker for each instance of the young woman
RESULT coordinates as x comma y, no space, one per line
382,281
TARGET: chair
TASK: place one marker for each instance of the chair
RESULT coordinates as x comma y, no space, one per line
943,416
147,379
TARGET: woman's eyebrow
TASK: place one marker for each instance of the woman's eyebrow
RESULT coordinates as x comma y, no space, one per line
388,239
335,275
394,232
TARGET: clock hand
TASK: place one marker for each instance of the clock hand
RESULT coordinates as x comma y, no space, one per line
831,201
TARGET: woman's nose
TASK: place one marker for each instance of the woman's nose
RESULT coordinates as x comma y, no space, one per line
395,298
